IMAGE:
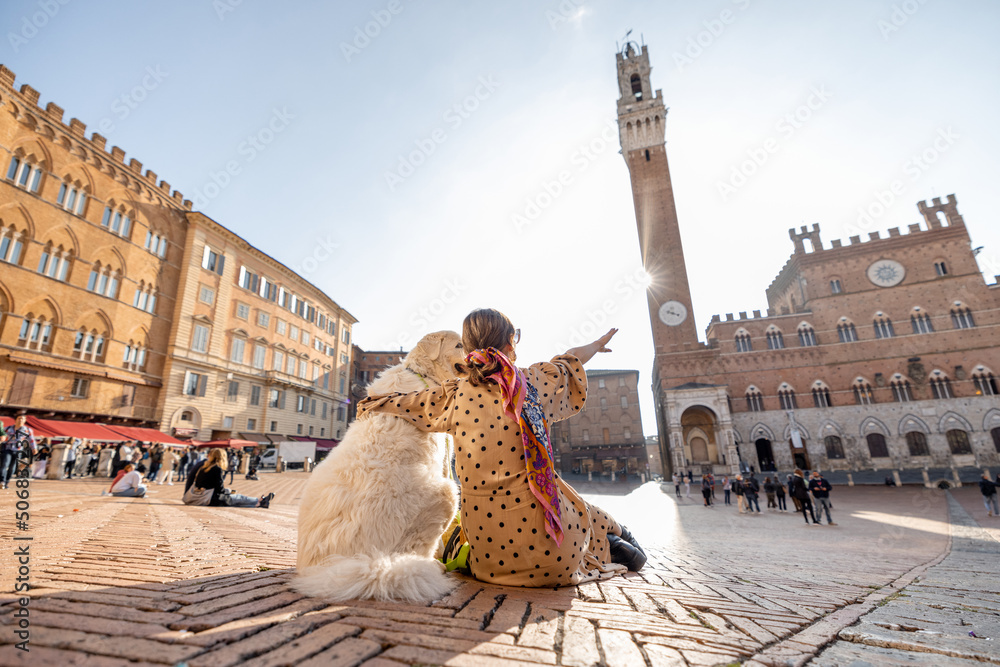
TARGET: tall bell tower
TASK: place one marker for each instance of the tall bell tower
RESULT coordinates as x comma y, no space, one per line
642,119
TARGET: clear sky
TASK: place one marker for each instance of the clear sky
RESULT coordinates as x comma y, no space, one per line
389,168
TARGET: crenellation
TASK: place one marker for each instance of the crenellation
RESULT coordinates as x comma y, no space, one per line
873,236
77,127
6,76
743,314
188,205
756,313
55,111
165,186
151,176
914,228
29,93
836,243
716,318
894,232
855,240
135,165
178,197
729,317
117,154
99,140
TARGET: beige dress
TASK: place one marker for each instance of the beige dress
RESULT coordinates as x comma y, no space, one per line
502,519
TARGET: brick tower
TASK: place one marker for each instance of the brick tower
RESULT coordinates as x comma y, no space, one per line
641,121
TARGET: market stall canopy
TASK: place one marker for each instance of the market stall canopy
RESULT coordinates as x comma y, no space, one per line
50,428
322,444
229,442
146,435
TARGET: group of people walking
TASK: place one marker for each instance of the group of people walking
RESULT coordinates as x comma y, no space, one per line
747,490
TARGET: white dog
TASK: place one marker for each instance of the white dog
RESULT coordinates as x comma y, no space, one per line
375,508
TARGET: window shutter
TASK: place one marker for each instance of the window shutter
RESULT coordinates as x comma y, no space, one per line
220,264
281,400
202,384
24,385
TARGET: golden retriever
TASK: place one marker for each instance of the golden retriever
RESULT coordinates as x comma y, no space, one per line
374,510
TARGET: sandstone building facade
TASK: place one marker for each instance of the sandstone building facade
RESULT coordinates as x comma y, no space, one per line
880,354
120,304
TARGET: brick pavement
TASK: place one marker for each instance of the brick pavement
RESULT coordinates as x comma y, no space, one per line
151,581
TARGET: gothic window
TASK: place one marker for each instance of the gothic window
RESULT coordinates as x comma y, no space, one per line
72,197
807,336
901,390
134,358
883,326
36,333
921,322
89,345
156,244
145,297
636,87
24,174
786,396
863,394
116,220
961,317
821,396
11,245
940,268
104,281
847,333
877,446
54,262
916,442
835,287
775,341
986,384
958,441
743,343
940,385
834,447
755,400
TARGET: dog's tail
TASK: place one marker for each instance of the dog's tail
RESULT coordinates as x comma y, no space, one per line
397,577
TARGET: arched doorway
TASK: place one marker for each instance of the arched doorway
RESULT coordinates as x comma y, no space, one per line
765,455
699,449
701,446
800,457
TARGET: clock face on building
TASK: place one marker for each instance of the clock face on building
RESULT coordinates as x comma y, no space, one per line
886,272
673,313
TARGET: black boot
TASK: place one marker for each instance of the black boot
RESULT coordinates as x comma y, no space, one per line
626,554
628,537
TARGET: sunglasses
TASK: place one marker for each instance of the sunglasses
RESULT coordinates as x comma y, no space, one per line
517,336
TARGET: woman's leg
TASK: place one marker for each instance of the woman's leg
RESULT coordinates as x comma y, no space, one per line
237,500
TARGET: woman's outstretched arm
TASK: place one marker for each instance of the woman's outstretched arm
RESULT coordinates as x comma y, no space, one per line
586,352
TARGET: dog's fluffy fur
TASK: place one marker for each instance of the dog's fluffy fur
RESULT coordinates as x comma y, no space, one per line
375,508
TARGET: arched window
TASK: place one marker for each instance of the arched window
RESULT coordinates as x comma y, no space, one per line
743,343
846,331
986,384
72,197
916,442
134,358
961,316
807,335
116,220
636,87
901,392
775,341
145,297
834,447
958,441
863,394
36,333
104,281
821,395
877,446
920,321
835,287
11,245
786,396
883,326
24,174
54,262
940,385
941,268
89,345
156,243
755,400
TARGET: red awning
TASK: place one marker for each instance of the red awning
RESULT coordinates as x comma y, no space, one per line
231,442
6,421
145,435
50,428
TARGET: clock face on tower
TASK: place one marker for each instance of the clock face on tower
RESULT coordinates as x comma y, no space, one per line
886,272
673,313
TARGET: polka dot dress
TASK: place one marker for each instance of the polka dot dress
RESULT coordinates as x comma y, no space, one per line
502,519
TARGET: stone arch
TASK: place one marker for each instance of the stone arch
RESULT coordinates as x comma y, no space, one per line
110,256
952,420
61,235
34,151
700,425
195,422
831,427
77,173
991,420
46,307
761,431
803,431
6,301
873,425
911,422
96,320
15,215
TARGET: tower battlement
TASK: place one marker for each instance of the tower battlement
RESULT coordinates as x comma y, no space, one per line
28,110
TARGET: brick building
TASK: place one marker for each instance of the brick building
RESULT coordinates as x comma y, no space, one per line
365,366
876,355
606,436
119,304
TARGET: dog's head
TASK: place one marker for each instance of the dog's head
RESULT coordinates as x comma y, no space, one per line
438,356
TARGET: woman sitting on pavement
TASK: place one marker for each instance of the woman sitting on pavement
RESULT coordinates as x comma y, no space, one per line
209,476
525,525
130,483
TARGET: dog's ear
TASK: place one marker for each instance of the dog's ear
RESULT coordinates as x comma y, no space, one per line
435,343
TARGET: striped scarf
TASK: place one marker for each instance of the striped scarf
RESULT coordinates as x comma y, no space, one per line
538,462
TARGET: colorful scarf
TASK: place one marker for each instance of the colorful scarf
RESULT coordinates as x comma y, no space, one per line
537,459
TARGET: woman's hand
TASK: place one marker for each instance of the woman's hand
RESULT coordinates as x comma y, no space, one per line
586,352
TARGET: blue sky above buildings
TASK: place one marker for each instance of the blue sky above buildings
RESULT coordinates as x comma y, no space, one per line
465,154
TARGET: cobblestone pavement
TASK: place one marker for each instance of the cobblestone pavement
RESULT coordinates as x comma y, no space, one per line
151,581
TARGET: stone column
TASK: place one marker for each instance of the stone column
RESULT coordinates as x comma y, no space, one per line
57,462
104,462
